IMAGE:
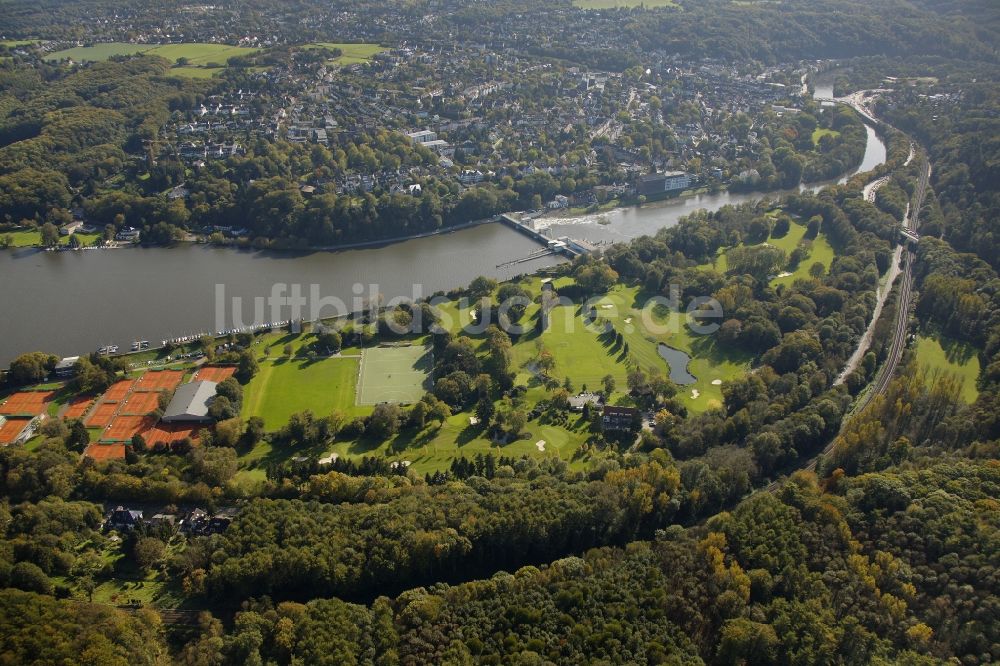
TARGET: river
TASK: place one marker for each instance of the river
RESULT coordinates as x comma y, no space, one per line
70,303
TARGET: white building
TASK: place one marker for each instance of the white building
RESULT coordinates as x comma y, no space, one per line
423,136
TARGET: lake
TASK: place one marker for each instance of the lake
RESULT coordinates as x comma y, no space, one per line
69,303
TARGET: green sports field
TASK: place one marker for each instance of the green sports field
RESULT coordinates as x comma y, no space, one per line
283,387
394,374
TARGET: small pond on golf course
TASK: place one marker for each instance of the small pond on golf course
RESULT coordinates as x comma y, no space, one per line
678,362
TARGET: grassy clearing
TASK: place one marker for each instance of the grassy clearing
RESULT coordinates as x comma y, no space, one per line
820,132
286,386
623,4
580,352
939,353
435,447
98,52
820,251
203,60
33,238
15,43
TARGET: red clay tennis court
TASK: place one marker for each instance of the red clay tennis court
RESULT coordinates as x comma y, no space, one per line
106,451
140,404
78,407
11,429
27,402
118,390
124,427
102,415
167,434
214,374
160,380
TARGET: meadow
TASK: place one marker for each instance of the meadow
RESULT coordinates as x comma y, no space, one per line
939,353
352,53
203,60
33,238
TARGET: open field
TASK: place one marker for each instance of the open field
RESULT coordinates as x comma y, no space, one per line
434,448
99,52
352,53
615,4
196,53
394,374
34,238
820,132
939,353
580,352
820,251
284,387
203,60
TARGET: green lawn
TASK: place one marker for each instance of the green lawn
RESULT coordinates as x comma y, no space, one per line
581,352
199,55
434,448
939,353
710,362
33,238
98,52
15,43
352,53
586,357
820,132
614,4
395,374
820,251
284,387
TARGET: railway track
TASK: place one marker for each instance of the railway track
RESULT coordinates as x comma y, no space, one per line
902,319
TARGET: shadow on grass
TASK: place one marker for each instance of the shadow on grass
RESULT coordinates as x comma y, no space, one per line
958,352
